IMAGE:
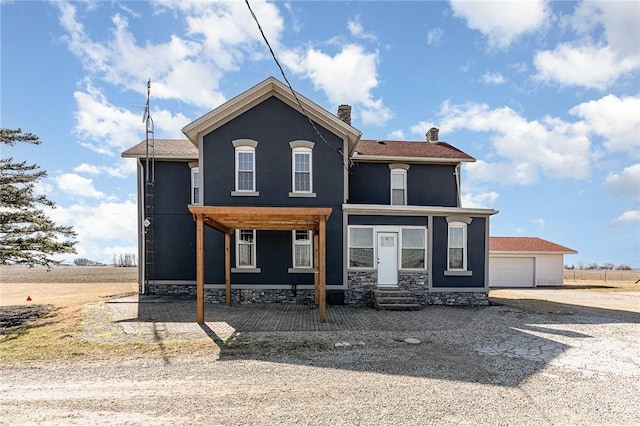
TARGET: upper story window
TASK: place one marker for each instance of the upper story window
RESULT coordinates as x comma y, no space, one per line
195,185
245,167
301,169
399,184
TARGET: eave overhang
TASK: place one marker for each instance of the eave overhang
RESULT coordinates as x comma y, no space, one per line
412,160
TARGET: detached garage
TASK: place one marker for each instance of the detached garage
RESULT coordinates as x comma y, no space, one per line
525,262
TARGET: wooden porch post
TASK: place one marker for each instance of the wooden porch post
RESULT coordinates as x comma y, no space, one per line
323,269
227,266
200,269
316,269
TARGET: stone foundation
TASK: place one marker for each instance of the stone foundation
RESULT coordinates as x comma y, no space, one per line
415,282
238,296
459,298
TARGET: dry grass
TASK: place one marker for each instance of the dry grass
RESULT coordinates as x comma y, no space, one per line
58,335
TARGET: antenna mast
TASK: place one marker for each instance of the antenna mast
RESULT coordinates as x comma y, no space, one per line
150,172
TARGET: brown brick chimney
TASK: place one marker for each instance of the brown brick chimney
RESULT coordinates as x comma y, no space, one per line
432,135
344,113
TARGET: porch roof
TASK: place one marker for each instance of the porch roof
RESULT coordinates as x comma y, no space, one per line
228,218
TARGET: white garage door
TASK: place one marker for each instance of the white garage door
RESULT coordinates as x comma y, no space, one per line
511,271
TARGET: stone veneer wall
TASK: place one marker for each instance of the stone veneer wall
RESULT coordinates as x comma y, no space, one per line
459,298
238,296
415,282
359,287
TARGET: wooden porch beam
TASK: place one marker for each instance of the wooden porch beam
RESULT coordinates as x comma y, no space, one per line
227,267
200,269
323,268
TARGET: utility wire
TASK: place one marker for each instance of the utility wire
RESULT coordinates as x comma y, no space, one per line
293,92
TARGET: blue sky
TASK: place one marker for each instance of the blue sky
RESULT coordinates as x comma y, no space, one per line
545,95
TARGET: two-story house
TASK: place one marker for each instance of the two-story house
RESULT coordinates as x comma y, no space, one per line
273,199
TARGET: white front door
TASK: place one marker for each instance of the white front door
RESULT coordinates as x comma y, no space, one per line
387,259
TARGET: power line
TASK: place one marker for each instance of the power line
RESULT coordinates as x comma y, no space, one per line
293,92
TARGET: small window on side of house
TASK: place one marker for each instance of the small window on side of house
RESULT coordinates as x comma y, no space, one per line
195,185
457,247
302,249
245,248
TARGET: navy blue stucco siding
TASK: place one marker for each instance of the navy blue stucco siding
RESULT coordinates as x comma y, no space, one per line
388,220
427,184
273,124
174,230
475,254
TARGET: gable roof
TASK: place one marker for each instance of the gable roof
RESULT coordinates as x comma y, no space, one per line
526,244
440,152
258,93
178,149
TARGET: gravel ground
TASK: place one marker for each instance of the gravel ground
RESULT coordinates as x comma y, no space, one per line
468,369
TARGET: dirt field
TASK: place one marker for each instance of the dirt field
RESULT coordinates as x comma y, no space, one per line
68,274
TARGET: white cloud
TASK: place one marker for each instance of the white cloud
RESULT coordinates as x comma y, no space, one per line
219,37
502,21
434,36
396,135
575,65
616,119
357,30
597,59
98,225
348,77
481,200
89,169
625,183
550,147
77,185
626,218
493,78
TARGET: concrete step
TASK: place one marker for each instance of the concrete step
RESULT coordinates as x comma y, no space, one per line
391,300
392,293
400,307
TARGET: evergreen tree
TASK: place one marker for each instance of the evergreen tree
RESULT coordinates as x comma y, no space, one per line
27,235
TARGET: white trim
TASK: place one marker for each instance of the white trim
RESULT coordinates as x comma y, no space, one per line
301,144
300,270
380,209
302,195
257,94
242,286
245,193
412,160
458,273
244,142
245,270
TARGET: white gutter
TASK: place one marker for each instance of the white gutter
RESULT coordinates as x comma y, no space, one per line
413,210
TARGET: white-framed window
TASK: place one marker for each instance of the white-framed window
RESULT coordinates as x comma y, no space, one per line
361,247
413,248
302,249
245,167
457,247
245,248
195,185
399,184
301,168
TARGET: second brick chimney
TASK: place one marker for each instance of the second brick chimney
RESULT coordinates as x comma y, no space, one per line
432,135
344,113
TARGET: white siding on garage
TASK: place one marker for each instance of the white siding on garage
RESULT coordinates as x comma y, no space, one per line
549,269
511,271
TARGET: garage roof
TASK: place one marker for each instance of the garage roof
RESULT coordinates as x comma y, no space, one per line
526,244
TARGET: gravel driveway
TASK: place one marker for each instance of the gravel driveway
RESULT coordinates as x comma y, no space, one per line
492,365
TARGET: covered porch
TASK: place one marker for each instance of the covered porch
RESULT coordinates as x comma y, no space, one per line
227,219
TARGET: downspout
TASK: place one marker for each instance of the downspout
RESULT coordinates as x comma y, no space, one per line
457,173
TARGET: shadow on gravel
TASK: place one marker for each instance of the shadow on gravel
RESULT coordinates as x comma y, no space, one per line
501,345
